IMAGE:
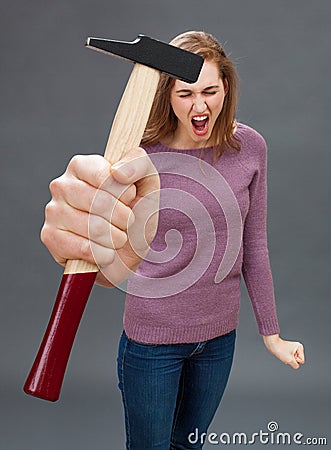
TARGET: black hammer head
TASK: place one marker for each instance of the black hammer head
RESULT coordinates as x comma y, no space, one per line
174,61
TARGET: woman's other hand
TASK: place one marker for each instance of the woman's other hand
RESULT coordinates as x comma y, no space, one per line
289,352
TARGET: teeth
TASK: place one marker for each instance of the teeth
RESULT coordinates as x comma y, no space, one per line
200,118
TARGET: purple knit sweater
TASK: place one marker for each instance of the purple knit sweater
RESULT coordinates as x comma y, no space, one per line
212,229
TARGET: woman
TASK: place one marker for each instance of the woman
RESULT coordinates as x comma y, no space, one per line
181,310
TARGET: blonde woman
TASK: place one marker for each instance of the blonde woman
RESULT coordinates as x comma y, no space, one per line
181,311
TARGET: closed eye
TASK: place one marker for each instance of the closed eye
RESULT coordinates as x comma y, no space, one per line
208,91
204,93
185,95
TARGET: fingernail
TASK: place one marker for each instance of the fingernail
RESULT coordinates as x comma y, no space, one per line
124,169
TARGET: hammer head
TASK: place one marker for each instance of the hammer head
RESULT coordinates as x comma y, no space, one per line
174,61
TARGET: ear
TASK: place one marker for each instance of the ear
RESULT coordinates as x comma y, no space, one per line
226,85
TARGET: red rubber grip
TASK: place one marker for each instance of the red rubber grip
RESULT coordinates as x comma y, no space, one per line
47,372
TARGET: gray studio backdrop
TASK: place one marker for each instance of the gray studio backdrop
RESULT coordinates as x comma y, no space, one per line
58,99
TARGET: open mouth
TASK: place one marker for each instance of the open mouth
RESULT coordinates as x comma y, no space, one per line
200,124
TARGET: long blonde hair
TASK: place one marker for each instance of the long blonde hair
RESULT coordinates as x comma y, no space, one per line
162,120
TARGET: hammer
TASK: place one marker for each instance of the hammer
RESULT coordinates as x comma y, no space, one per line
150,57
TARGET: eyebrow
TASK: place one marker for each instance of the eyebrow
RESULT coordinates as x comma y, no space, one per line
205,89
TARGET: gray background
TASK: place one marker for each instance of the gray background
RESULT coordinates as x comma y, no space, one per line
58,99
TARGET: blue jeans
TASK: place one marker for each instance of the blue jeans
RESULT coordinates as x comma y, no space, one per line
171,392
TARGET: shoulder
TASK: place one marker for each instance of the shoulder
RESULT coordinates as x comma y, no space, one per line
250,137
253,151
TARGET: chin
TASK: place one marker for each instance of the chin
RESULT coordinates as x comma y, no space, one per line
201,141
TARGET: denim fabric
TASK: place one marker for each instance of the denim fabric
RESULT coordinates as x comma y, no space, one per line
170,390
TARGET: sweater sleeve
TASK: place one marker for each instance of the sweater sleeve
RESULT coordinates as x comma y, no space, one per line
256,268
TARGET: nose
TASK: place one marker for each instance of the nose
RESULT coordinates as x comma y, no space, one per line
199,104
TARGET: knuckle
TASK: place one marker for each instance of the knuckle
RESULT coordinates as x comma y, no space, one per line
108,258
45,234
75,162
48,237
97,228
103,257
101,175
55,214
55,186
102,172
85,249
99,203
121,215
50,209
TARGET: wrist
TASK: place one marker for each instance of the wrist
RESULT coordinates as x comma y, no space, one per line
271,339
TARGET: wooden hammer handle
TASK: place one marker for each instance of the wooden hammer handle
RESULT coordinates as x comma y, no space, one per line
46,375
127,130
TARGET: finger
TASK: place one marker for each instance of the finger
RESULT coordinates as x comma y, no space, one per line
89,226
128,195
84,197
64,245
299,360
93,169
146,219
101,232
297,356
300,354
78,223
137,168
112,209
293,363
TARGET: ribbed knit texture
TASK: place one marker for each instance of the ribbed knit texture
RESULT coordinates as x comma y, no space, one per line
206,309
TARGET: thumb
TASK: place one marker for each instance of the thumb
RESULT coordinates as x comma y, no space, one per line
134,166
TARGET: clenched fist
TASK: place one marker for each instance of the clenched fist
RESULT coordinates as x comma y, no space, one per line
104,214
289,352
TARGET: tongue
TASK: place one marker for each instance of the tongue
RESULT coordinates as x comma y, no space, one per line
199,124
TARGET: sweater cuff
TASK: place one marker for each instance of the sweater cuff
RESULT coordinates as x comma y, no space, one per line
268,326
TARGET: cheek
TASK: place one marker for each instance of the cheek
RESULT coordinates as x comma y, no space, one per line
179,107
173,104
217,104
